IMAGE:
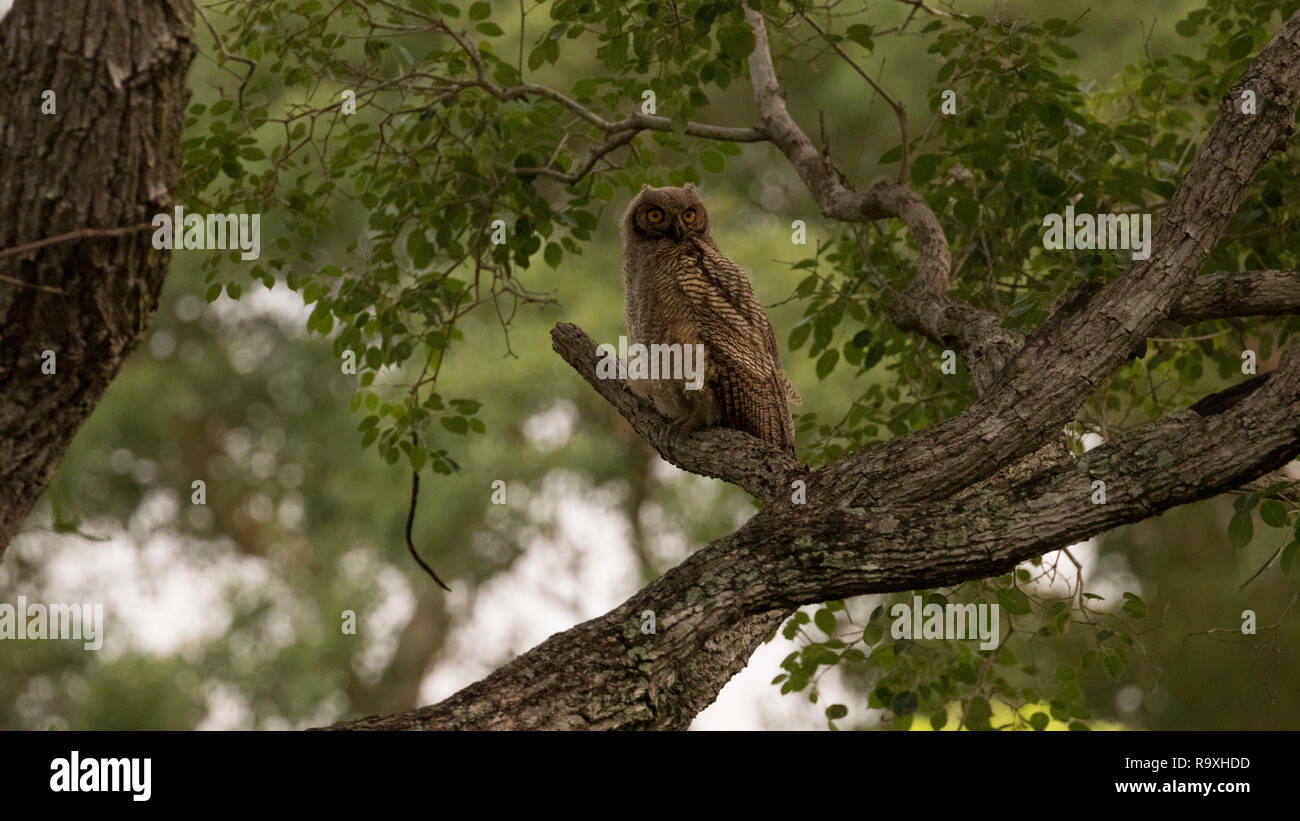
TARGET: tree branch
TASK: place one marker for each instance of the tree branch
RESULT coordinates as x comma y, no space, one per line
917,512
70,236
924,306
606,674
1062,363
1239,293
743,460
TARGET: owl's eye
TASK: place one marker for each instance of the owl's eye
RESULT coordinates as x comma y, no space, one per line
654,215
688,216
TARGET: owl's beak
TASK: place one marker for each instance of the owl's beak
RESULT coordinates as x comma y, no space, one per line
677,230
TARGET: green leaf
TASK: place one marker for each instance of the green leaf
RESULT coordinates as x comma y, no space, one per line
480,11
978,714
1039,721
939,719
455,424
713,162
924,167
489,29
836,711
737,41
1246,502
825,621
553,255
1288,557
214,291
1273,513
1134,606
799,334
826,363
1240,46
905,703
860,34
233,290
873,633
1240,530
1014,601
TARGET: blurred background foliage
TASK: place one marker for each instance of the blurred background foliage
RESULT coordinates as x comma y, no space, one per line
231,613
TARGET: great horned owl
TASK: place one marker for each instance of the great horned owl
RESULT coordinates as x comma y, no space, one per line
681,289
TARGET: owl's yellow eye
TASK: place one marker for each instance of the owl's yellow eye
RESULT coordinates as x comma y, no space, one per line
654,215
688,216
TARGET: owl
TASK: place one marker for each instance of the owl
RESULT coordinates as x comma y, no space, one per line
680,289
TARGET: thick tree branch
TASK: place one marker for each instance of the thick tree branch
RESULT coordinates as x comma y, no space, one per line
1063,362
743,460
606,674
912,513
1239,293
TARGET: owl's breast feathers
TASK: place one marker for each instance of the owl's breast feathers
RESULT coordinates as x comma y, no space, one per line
711,297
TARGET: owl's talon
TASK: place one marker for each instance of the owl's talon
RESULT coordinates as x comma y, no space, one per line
683,427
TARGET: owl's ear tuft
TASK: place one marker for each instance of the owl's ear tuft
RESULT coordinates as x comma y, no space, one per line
644,186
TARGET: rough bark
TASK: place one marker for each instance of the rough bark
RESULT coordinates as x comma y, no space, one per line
606,674
746,461
964,500
1239,293
97,169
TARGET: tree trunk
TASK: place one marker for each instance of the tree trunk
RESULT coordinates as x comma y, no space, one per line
91,120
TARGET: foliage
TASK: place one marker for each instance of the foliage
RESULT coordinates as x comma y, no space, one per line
470,113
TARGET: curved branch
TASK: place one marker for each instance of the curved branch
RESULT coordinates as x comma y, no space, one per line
909,514
607,674
1063,362
924,306
637,122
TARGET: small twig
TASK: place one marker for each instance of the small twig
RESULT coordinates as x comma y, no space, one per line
410,519
904,159
20,283
80,233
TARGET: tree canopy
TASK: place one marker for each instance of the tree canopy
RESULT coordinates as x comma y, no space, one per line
440,181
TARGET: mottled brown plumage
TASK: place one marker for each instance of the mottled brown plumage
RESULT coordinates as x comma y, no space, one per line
681,289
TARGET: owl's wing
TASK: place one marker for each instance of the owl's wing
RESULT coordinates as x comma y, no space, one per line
741,362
